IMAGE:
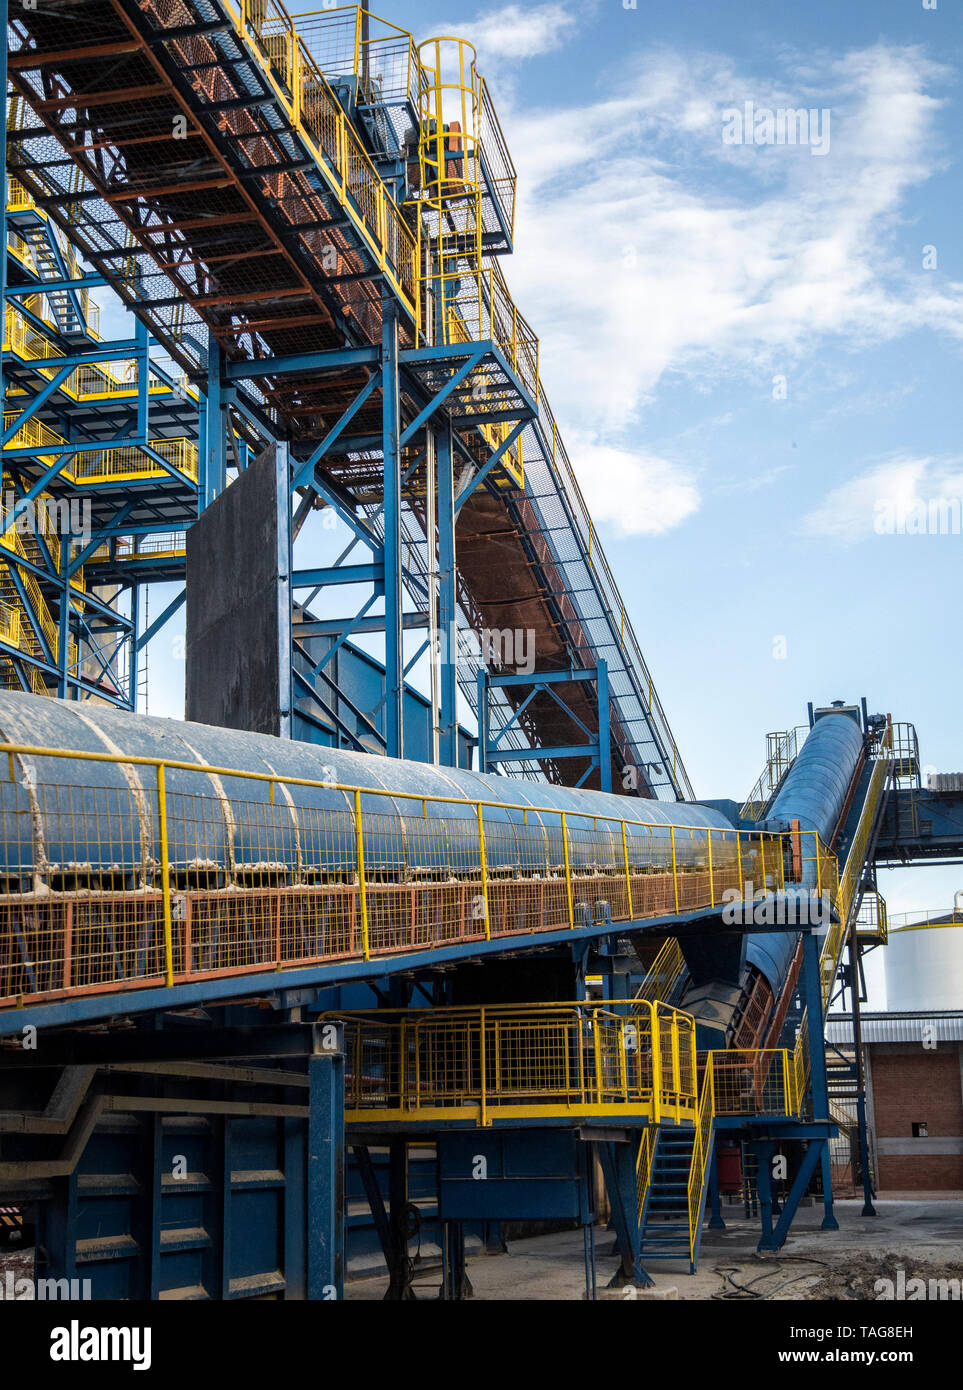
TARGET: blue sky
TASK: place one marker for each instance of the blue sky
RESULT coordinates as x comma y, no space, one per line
749,348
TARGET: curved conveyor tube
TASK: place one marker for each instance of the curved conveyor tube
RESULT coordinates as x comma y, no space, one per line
813,794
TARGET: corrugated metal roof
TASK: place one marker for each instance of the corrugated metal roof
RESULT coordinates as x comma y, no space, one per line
898,1027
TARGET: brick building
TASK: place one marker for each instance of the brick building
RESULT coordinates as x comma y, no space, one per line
914,1094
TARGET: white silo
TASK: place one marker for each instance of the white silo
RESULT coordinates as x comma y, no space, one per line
924,963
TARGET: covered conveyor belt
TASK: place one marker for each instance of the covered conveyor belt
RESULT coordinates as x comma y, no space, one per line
136,851
748,1005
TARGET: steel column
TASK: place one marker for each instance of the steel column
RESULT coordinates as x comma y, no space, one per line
325,1176
813,997
391,447
447,598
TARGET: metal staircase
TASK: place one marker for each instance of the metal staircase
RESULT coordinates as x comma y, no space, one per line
665,1233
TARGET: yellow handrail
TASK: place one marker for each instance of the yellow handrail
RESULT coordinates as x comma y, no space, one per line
701,1155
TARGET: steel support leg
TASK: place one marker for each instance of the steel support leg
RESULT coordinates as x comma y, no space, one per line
391,447
829,1222
483,720
447,599
618,1170
716,1222
282,471
325,1177
813,997
213,479
456,1286
776,1238
868,1193
399,1276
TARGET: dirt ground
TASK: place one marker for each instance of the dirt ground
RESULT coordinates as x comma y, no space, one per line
923,1238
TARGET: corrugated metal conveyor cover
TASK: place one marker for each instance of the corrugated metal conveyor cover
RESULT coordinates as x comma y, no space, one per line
103,815
816,785
813,793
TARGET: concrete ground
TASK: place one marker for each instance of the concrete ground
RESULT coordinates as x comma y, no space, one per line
923,1237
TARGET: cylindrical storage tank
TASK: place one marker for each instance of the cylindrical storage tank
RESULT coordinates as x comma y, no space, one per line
924,969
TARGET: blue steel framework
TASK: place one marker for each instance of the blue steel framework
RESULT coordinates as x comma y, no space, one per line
412,412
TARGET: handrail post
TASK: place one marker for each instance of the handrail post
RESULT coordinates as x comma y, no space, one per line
762,851
483,866
742,882
785,1081
675,872
362,886
694,1056
676,1076
482,1064
656,1048
712,889
568,874
165,874
628,876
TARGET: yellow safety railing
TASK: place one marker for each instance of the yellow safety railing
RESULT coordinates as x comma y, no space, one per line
643,1169
348,41
849,879
701,1155
782,750
129,461
40,613
921,921
9,624
514,1062
799,1066
122,461
753,1081
663,974
299,84
872,923
282,855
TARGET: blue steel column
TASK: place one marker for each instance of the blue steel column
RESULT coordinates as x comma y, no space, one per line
325,1176
716,1222
143,379
482,707
63,622
813,997
133,667
282,475
391,446
213,472
605,739
447,591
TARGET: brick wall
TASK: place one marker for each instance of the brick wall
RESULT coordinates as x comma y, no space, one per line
911,1085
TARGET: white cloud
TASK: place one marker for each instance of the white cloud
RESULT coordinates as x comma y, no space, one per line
517,32
902,487
638,492
646,247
